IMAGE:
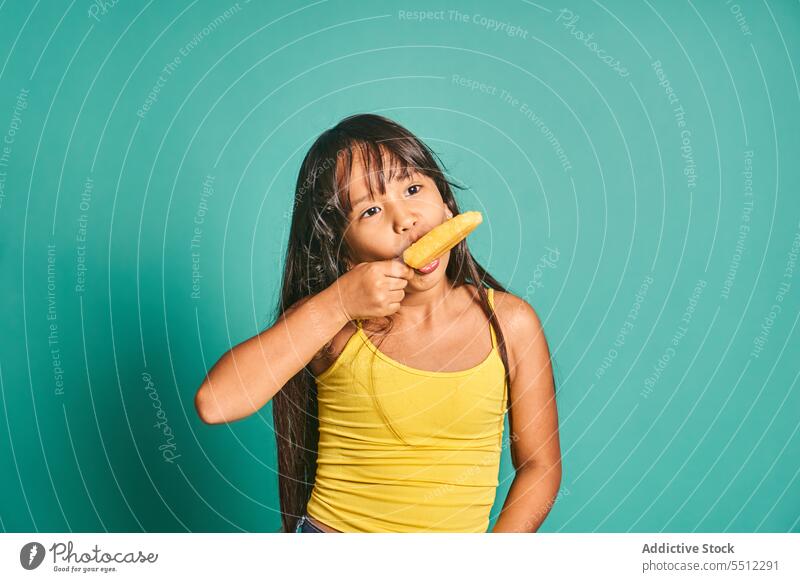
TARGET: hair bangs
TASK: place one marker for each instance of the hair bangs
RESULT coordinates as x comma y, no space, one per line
382,164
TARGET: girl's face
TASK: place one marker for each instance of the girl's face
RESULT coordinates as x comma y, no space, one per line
382,228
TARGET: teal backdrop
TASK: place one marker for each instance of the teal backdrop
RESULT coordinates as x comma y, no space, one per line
636,164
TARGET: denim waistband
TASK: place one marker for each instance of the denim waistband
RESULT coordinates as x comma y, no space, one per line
304,525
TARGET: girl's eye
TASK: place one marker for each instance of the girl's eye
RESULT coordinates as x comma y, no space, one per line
413,189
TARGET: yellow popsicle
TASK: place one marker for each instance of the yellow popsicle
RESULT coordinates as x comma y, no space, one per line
441,239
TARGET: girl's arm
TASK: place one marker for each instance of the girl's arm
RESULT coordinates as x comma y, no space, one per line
535,449
249,375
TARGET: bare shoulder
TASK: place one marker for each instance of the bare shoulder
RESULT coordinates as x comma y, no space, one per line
519,317
521,327
513,313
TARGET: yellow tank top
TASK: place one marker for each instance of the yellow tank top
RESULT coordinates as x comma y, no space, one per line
407,450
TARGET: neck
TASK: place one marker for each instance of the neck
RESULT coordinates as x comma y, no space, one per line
424,308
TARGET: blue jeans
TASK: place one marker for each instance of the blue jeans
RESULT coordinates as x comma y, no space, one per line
305,526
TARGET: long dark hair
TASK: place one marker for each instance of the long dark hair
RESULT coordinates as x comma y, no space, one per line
316,256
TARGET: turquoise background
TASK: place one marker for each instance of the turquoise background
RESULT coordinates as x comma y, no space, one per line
586,162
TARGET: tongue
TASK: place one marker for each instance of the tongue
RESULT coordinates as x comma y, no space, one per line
426,267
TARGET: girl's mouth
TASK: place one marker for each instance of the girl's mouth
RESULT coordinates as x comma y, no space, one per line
429,268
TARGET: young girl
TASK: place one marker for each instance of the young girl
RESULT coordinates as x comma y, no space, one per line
389,384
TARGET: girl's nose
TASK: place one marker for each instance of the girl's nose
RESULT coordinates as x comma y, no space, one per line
404,218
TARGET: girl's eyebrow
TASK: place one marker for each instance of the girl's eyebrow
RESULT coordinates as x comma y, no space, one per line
356,203
359,201
411,177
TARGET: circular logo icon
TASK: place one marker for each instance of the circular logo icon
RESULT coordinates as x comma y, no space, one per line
31,555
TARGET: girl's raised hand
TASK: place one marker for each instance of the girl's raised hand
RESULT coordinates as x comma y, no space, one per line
372,289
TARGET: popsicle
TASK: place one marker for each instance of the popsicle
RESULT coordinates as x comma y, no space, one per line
441,239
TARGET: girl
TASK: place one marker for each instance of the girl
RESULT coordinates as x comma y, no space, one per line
388,412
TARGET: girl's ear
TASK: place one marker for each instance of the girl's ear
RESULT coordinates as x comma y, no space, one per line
448,212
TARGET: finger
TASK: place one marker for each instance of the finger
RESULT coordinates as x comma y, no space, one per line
396,296
396,283
397,268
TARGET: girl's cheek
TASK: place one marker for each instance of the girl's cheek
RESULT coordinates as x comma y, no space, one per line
376,248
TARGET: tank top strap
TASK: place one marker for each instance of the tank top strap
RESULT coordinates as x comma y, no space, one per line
358,323
490,293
